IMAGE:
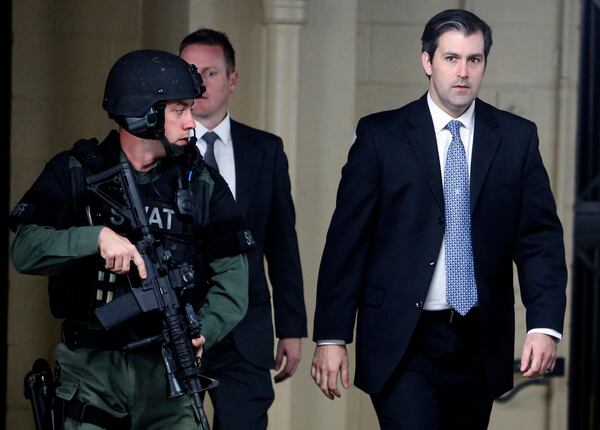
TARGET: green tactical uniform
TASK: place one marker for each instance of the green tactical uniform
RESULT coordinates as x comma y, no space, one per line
130,386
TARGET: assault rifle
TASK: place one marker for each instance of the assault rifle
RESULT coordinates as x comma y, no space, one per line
161,291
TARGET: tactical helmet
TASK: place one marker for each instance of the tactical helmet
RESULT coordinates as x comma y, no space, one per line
139,84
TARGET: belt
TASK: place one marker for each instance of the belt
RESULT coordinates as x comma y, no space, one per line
450,316
83,335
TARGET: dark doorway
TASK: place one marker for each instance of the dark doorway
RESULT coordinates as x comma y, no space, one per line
584,387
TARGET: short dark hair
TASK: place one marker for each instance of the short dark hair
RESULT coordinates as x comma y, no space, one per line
454,19
207,36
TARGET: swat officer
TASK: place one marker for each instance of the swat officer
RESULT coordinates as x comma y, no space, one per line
85,247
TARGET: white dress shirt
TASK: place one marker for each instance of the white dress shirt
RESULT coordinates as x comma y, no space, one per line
223,149
436,297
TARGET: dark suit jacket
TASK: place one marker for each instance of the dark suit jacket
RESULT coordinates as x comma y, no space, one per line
264,199
388,227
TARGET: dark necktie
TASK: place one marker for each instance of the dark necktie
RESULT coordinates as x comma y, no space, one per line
461,288
209,156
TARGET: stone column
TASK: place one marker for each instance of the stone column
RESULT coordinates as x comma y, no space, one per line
326,111
283,19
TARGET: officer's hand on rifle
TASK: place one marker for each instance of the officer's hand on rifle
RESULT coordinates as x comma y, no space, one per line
198,343
118,252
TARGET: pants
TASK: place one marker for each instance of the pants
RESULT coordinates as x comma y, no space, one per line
439,383
122,384
245,391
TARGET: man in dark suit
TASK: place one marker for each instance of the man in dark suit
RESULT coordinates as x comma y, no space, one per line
253,164
436,201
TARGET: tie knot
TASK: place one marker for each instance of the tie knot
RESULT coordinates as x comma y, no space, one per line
454,128
210,137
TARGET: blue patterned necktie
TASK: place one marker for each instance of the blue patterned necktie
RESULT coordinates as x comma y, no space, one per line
461,288
209,156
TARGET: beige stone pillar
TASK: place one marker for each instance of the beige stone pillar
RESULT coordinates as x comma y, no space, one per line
326,122
283,20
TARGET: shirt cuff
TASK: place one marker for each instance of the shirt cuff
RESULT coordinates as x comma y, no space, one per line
330,342
556,335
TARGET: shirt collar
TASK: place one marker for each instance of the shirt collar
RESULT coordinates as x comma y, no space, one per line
441,118
223,129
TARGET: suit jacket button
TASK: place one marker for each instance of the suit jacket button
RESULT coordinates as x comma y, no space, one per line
419,305
432,262
440,220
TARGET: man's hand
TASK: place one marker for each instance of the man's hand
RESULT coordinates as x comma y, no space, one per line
118,252
539,355
198,343
288,347
328,362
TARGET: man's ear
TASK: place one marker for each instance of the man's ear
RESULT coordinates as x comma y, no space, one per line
426,62
233,80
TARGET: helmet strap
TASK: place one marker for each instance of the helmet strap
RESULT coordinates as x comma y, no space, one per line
173,151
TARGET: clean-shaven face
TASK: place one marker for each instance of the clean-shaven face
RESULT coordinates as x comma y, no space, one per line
455,71
179,121
211,108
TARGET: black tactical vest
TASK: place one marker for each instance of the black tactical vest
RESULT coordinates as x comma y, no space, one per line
75,293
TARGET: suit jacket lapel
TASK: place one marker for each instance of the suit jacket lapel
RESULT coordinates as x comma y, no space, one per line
421,136
247,158
485,145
